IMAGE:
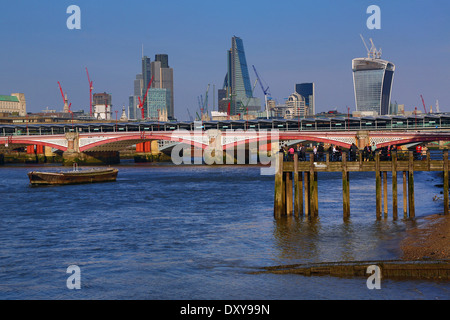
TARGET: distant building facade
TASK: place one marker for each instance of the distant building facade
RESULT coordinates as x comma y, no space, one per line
297,106
13,104
163,79
102,106
307,91
162,87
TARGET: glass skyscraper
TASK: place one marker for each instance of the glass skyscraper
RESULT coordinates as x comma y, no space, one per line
237,81
372,79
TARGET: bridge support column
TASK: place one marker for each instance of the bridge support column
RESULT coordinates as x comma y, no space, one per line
362,139
91,158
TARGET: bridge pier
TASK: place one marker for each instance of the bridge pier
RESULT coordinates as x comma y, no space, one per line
91,158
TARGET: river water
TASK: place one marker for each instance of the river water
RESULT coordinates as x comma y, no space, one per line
195,232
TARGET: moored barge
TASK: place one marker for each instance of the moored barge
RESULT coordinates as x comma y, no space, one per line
73,177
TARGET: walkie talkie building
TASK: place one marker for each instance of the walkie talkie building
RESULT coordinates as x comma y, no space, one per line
372,80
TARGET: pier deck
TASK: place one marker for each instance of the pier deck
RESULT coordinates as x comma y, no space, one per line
296,189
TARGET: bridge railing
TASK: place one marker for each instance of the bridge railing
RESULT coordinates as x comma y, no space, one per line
360,155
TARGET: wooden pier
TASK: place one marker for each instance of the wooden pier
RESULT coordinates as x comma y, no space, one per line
296,188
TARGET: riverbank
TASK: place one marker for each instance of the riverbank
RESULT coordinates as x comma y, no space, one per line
425,254
428,240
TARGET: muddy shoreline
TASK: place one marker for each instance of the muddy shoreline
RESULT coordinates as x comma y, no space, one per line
425,254
428,240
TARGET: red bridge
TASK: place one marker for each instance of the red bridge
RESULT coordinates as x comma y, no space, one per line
75,143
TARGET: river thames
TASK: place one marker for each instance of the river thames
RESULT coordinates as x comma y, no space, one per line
197,233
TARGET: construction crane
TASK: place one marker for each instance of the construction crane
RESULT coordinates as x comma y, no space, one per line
64,98
372,52
91,87
189,114
205,104
253,89
423,102
265,91
141,102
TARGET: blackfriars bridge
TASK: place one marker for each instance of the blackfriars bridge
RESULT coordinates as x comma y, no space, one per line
104,140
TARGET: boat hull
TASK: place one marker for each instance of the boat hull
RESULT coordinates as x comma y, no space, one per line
72,177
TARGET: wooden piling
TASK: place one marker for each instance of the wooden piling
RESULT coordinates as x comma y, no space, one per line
313,195
298,190
405,196
307,195
378,185
279,207
385,197
394,186
345,188
289,198
411,205
445,182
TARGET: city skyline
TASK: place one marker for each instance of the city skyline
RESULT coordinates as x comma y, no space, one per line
316,45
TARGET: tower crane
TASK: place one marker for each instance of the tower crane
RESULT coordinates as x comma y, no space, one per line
253,89
205,104
189,114
141,102
265,91
423,102
91,87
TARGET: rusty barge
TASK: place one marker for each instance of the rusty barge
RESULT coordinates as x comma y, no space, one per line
75,176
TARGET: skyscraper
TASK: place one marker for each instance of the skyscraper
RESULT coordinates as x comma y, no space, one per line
160,94
307,91
372,80
163,79
237,80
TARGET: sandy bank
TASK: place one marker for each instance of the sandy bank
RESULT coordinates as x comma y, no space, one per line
430,239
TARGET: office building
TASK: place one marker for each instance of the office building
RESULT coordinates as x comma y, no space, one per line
102,104
297,106
13,104
163,79
307,91
158,99
237,81
372,80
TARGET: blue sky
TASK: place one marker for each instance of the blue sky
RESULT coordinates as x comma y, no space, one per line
289,42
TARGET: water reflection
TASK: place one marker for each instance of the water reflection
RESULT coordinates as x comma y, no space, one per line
303,240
